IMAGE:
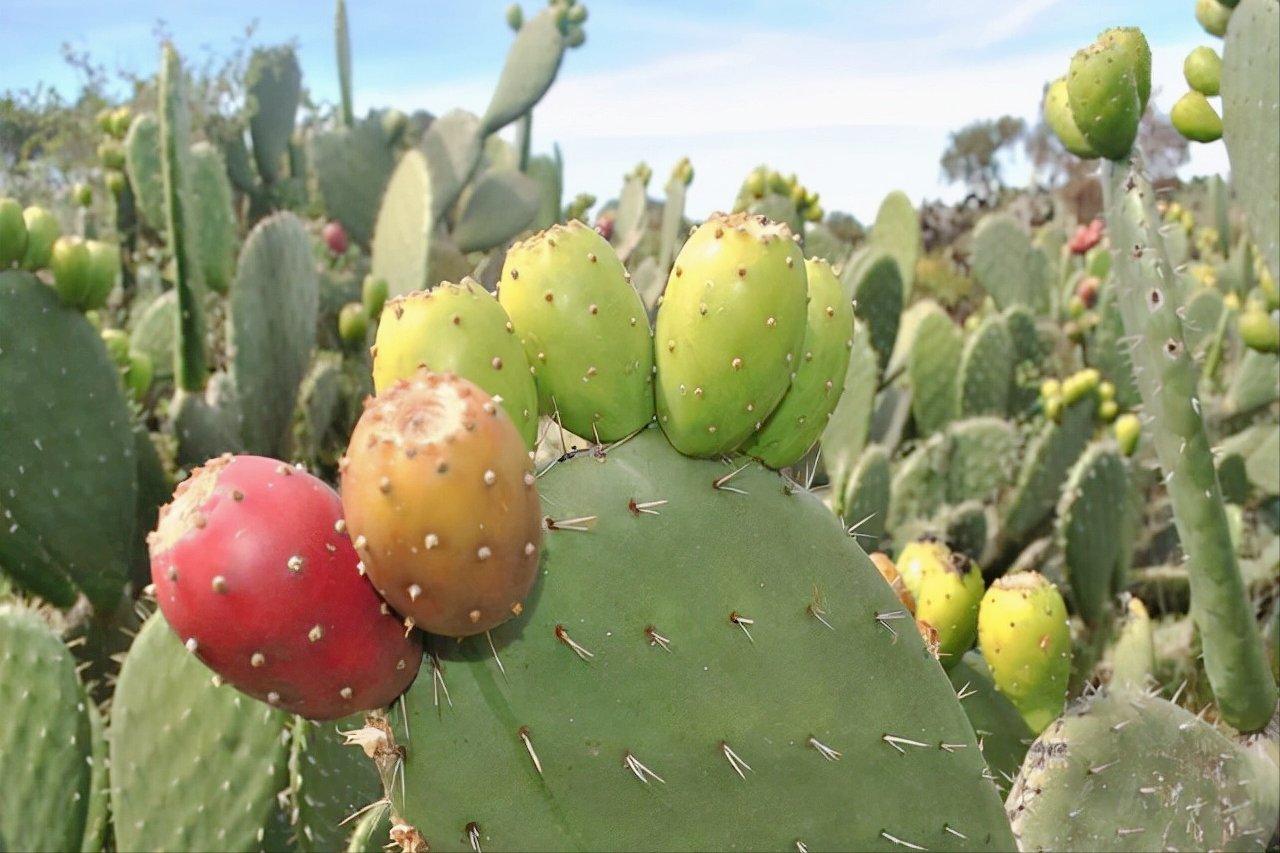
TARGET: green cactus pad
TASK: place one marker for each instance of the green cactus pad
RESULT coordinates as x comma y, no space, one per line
729,331
897,230
342,44
206,423
272,328
154,332
846,432
215,757
874,282
584,331
1005,264
142,161
548,173
351,167
402,247
1251,119
932,365
45,737
986,370
865,504
463,329
965,526
273,86
499,204
1091,529
981,453
67,443
632,710
215,218
529,70
1131,771
454,147
98,814
329,782
806,409
1002,733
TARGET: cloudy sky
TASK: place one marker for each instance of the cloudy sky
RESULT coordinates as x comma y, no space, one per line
856,97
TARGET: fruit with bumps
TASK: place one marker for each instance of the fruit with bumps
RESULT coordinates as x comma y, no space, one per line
1203,70
800,418
1025,640
69,263
1107,87
353,324
947,587
42,231
1057,113
728,333
459,328
373,293
13,233
440,499
584,331
278,610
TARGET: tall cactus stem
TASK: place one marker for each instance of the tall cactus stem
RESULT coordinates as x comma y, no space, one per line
1167,378
342,37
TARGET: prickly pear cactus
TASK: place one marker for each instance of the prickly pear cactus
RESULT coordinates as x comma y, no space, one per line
703,700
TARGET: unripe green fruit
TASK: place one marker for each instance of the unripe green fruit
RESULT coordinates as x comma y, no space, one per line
121,118
83,195
117,341
1107,87
1203,70
1258,329
69,263
1195,118
13,233
353,324
111,154
947,592
916,556
1050,388
1107,410
373,293
1127,429
1026,642
104,272
42,231
115,181
515,16
140,373
1057,113
1213,16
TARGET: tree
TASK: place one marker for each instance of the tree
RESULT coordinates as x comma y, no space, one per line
973,153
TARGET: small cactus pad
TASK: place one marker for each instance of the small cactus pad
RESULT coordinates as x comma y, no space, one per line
462,329
704,697
729,332
439,495
1131,771
279,611
803,414
584,330
1092,529
1023,635
45,739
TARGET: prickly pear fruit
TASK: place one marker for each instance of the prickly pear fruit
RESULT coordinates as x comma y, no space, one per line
1195,118
440,500
885,566
584,330
800,418
82,194
1107,87
13,233
42,231
1024,638
1057,113
335,237
104,272
69,263
728,332
947,587
254,571
1259,329
459,328
1213,16
353,324
373,293
1203,70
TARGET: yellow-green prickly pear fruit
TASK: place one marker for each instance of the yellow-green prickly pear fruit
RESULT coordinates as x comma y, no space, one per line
1108,86
1195,118
584,330
1127,429
1025,640
1203,70
1258,328
13,233
800,418
918,555
104,272
42,231
1213,16
1057,112
457,328
947,591
728,333
69,263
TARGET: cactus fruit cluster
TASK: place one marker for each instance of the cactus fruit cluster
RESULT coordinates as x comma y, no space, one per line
356,490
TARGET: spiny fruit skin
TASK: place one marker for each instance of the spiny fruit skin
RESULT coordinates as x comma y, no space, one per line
1057,112
254,571
1025,640
800,418
42,231
584,331
440,499
457,328
728,333
69,263
13,233
1107,87
947,587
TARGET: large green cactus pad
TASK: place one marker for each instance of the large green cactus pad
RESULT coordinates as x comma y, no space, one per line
351,167
698,698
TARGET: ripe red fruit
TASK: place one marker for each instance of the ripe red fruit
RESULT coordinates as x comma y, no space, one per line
1087,290
1086,237
254,570
335,236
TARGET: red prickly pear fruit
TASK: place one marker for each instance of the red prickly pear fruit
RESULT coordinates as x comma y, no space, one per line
1086,237
254,570
1087,290
335,237
440,500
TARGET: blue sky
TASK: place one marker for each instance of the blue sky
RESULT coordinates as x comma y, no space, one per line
855,97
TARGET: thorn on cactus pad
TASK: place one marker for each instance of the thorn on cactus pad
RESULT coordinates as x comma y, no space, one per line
907,844
528,745
722,483
642,773
735,760
742,622
473,836
824,750
898,742
562,634
657,639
